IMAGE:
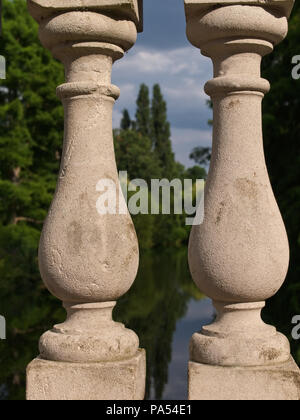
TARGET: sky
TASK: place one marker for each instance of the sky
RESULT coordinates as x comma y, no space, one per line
162,54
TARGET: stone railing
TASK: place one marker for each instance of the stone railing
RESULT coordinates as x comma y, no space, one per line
239,256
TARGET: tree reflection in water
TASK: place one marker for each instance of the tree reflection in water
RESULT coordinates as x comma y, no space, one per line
155,306
157,300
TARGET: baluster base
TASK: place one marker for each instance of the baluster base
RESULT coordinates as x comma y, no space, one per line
239,337
121,380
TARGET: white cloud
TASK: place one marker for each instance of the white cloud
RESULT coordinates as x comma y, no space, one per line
185,60
184,140
188,89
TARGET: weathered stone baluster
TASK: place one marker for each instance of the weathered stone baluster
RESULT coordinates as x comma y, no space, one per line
86,259
239,256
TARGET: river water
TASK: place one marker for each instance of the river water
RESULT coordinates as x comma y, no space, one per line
163,307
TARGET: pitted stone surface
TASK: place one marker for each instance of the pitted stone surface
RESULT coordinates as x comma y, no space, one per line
239,256
87,259
276,383
132,9
124,380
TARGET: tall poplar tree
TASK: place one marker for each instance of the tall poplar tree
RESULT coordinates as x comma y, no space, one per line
143,111
161,133
125,121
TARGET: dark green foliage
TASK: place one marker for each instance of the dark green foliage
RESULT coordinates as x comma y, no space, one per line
161,133
31,131
151,157
126,121
196,172
201,155
135,155
143,111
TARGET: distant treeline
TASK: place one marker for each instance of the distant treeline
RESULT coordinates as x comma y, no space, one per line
143,148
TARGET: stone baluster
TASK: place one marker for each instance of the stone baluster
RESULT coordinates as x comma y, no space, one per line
239,256
86,259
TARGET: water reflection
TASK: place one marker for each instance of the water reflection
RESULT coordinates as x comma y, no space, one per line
160,307
153,308
199,313
164,307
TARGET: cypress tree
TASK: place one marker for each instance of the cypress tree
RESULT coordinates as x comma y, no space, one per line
126,121
161,133
143,111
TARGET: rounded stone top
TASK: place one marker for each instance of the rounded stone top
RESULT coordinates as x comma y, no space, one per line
238,21
76,26
193,7
128,9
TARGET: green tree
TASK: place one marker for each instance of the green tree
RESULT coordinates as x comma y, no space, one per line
201,155
31,131
161,133
195,172
134,154
125,121
143,111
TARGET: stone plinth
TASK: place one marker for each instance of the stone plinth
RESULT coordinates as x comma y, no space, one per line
279,382
124,380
